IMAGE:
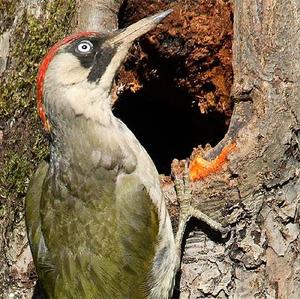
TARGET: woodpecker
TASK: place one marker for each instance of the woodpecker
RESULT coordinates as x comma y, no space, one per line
96,219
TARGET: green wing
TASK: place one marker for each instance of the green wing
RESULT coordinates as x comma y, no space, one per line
40,253
138,234
116,237
101,238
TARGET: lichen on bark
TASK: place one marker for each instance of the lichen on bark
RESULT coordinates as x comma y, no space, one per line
32,28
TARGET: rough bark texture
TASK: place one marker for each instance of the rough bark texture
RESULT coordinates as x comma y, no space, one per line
256,193
27,30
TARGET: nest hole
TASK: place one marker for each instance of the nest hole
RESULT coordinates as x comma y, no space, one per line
174,88
167,121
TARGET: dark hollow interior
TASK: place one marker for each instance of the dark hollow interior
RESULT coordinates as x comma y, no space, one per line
176,65
167,121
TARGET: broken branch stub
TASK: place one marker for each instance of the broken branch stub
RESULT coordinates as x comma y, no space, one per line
97,15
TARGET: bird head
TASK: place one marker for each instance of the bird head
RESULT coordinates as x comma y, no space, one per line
77,74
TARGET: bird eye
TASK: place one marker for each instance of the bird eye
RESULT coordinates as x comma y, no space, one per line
85,46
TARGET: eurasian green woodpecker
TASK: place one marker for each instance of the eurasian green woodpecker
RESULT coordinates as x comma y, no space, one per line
96,218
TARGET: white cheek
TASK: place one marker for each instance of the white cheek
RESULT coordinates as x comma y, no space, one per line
65,69
77,98
87,99
67,89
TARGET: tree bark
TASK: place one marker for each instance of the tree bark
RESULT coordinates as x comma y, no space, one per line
256,194
99,15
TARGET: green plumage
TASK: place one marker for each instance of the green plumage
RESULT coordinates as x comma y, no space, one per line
101,239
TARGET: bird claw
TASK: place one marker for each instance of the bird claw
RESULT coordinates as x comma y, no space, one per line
182,185
184,197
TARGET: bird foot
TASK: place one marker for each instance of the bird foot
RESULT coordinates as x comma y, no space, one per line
184,197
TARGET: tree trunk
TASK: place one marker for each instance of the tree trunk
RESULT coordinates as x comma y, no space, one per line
256,193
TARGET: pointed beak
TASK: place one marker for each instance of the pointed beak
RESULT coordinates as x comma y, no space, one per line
114,50
128,35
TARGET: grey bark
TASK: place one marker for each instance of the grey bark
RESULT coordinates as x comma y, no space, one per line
99,15
257,194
